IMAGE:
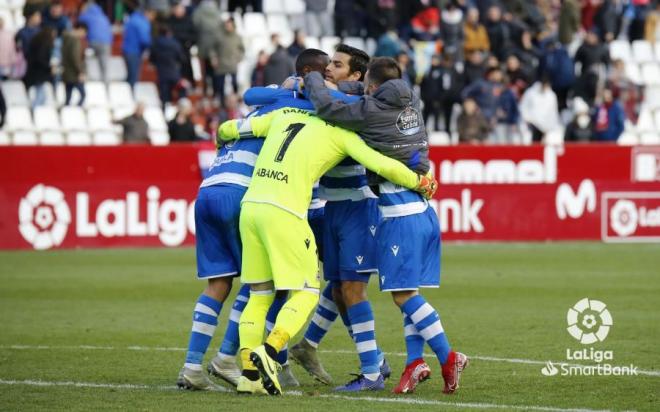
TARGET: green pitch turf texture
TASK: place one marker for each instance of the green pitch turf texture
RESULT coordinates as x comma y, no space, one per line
106,329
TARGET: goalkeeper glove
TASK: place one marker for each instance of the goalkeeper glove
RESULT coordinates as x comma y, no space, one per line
426,185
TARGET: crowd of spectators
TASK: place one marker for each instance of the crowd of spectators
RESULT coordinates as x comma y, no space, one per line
489,70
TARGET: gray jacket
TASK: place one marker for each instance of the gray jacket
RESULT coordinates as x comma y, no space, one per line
389,121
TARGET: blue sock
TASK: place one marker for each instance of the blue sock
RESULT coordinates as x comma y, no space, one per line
230,343
325,315
271,317
427,323
414,341
364,334
205,320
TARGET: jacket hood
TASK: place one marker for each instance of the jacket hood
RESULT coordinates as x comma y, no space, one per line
395,93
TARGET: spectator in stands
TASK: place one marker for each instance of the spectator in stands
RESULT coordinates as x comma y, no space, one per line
39,70
136,129
627,91
32,6
380,17
230,109
451,29
206,19
73,62
426,24
233,51
99,34
475,68
298,44
181,128
499,33
407,68
605,20
569,21
580,128
279,66
137,39
472,125
3,109
168,58
317,18
528,54
431,92
55,18
519,77
506,129
184,32
485,92
476,36
590,55
609,118
538,107
558,66
389,44
257,77
27,32
7,51
652,25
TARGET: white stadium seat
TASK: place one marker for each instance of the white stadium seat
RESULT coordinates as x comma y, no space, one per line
657,51
642,51
19,19
78,139
117,69
51,138
147,93
329,43
4,138
96,94
99,118
651,74
155,119
278,23
159,138
73,118
253,24
25,138
371,46
16,4
633,73
357,42
15,93
119,113
294,6
258,43
649,138
106,138
645,122
628,139
273,6
620,49
93,69
439,139
312,42
120,95
46,119
18,118
7,16
656,118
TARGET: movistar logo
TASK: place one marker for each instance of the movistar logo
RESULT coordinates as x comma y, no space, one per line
273,174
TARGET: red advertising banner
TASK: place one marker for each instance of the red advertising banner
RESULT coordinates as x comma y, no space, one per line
68,197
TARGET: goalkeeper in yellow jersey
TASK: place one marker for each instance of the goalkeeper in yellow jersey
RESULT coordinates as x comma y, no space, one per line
279,249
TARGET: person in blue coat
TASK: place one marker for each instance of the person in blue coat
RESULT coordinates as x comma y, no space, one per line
137,39
609,119
99,34
168,57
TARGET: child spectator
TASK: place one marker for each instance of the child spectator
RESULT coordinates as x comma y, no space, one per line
73,63
472,126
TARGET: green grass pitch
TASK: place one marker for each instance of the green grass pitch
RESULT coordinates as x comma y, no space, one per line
105,329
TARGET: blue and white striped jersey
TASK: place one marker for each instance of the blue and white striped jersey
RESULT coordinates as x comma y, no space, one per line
346,181
395,201
234,163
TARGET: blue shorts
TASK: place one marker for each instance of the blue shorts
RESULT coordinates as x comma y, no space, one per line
315,220
349,240
218,240
409,252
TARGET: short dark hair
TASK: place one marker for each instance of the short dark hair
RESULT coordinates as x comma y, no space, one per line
358,61
309,57
382,69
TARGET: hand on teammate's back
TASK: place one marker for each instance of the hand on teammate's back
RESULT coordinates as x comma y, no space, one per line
426,185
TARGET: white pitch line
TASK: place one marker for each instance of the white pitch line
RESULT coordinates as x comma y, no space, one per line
338,351
407,401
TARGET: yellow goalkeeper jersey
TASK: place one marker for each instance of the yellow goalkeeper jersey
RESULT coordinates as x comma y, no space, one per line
298,150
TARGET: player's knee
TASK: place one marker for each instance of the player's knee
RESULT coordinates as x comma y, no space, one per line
260,287
401,297
353,292
219,288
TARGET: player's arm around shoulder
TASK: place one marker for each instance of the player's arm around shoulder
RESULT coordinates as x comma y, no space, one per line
253,126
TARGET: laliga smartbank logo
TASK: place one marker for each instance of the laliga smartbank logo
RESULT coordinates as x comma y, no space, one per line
45,217
589,322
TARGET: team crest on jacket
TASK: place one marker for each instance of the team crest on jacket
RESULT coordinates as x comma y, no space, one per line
409,121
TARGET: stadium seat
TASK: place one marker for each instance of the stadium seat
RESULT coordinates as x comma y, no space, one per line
273,6
253,24
620,49
656,118
18,118
329,43
642,51
97,95
121,112
93,69
278,23
7,16
159,138
25,138
312,42
16,4
652,97
99,119
258,43
651,74
147,93
78,139
15,93
628,139
645,122
117,69
244,74
633,72
73,118
649,138
155,119
439,139
356,42
19,19
4,138
294,6
51,138
120,95
371,46
106,138
170,111
657,51
46,119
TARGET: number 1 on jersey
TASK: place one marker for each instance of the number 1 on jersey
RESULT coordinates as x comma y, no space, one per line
292,131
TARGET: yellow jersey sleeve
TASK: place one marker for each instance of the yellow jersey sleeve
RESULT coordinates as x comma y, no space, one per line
254,126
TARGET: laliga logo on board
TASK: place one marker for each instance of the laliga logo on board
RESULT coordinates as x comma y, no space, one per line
44,217
623,217
589,321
